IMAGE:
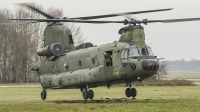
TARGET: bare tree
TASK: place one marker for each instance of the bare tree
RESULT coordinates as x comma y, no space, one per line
162,70
5,37
76,33
18,44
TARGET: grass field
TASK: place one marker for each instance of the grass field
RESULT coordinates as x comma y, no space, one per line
184,75
149,99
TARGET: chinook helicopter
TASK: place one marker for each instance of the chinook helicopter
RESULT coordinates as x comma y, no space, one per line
64,66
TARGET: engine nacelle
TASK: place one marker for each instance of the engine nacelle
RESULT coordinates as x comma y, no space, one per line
54,49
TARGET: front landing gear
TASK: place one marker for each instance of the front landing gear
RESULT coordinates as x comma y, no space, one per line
131,92
87,93
43,94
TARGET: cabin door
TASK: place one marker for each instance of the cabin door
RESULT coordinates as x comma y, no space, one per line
108,63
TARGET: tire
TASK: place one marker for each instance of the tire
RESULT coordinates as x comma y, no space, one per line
91,94
128,92
85,94
134,92
43,95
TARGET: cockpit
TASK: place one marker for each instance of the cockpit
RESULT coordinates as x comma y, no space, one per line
143,55
132,51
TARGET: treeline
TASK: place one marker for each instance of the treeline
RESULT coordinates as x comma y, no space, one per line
18,43
183,65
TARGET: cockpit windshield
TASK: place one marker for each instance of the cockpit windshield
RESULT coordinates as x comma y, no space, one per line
132,50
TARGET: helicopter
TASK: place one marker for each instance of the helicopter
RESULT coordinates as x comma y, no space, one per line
64,66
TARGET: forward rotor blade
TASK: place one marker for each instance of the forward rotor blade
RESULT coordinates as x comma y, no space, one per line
37,10
69,20
119,14
174,20
18,23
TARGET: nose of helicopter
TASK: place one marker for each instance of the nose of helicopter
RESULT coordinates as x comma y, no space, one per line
139,69
150,64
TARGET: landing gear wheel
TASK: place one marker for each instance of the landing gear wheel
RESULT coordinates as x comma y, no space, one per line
85,94
134,92
43,95
91,94
131,92
128,92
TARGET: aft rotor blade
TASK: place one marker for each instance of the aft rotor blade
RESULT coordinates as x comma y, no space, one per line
119,14
37,10
69,20
174,20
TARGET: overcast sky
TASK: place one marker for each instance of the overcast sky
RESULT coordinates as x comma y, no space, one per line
172,41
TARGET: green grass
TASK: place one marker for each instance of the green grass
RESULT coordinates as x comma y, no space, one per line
184,75
151,99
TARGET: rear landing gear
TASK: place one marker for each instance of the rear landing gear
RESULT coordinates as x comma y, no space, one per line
87,93
43,94
91,94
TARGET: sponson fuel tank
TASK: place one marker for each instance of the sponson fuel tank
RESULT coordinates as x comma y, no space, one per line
71,79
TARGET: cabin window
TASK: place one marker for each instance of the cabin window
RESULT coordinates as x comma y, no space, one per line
108,58
79,63
70,40
66,65
54,68
93,61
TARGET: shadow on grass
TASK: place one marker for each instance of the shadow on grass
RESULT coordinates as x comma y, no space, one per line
106,100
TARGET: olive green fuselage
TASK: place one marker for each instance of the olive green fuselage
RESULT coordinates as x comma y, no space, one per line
89,66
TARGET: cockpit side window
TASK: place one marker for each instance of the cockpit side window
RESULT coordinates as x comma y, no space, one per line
144,51
124,53
150,51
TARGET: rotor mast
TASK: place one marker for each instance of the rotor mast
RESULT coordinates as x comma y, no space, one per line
133,35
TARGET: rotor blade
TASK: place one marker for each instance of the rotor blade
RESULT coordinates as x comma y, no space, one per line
174,20
120,14
18,23
69,20
37,10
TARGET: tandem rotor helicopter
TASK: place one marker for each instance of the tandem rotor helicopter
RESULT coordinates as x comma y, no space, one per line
86,66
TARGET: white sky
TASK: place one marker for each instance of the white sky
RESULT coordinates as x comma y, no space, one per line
172,41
